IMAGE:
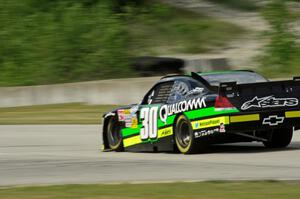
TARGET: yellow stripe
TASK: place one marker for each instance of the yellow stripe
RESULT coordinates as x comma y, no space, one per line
137,139
165,132
244,118
201,124
291,114
132,141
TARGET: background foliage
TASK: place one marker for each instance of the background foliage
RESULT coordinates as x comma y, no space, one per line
46,41
281,56
53,41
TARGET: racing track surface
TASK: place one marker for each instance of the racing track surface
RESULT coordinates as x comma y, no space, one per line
58,154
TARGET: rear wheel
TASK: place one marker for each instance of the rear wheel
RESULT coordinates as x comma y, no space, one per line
114,136
184,138
280,138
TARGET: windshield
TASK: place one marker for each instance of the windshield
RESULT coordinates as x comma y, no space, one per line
239,77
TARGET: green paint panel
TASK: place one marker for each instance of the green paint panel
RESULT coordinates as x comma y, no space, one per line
170,121
206,112
130,131
200,113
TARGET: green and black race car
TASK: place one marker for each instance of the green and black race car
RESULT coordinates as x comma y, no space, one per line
189,112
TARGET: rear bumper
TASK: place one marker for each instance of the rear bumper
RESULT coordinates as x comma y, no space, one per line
239,123
264,121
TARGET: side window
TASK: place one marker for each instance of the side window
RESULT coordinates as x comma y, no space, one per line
183,89
160,94
178,92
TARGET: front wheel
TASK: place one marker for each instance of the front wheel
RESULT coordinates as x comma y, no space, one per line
114,136
280,138
184,138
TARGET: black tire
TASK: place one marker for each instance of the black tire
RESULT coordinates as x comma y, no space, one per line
114,135
280,138
184,137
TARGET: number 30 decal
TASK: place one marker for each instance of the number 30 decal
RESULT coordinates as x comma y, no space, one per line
149,121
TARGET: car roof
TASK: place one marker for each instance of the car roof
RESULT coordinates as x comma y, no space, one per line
178,76
174,77
224,72
199,76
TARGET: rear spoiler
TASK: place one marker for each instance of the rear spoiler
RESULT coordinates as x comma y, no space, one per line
232,89
296,78
204,82
228,89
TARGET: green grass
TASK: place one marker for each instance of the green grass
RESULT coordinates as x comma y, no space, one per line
63,41
54,114
167,30
246,5
205,190
291,69
281,55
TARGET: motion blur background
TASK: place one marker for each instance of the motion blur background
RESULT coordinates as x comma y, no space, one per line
58,41
46,42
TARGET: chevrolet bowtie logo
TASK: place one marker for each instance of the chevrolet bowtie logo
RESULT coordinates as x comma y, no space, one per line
273,120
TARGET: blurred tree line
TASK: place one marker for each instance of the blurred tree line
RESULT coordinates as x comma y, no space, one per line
281,56
50,41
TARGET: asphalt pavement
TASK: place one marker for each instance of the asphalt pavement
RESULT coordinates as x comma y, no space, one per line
60,154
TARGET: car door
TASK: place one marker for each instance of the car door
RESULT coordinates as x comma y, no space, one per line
156,126
149,111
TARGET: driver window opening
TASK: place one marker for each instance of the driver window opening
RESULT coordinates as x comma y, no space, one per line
160,94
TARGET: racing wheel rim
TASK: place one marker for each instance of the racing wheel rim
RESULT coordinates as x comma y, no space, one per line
183,135
114,136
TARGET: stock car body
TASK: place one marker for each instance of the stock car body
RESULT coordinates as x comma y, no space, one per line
190,112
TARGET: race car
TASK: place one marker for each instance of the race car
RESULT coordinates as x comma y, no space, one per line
187,113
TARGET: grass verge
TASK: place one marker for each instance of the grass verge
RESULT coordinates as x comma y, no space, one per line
201,190
74,113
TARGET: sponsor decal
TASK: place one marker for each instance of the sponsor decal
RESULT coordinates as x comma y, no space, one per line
195,91
206,132
129,117
269,101
134,122
127,111
222,128
207,123
166,132
187,105
121,115
128,121
273,120
128,125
